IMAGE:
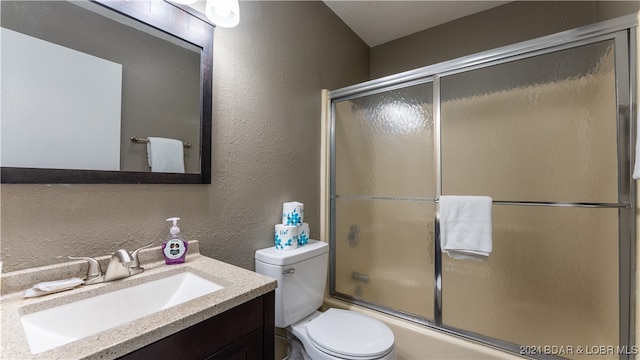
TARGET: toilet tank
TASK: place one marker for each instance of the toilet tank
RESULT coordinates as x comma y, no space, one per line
301,275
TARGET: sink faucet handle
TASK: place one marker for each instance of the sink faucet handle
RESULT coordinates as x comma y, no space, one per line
94,270
134,255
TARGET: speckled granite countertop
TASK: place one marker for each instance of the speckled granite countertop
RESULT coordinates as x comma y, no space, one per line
240,286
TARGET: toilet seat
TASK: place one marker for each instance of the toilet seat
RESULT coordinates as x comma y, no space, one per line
347,334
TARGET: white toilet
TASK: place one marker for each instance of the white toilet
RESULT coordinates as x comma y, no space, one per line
333,334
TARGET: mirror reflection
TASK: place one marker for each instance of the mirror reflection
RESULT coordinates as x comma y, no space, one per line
80,81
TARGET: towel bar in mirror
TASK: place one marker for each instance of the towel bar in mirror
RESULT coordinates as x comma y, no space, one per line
135,139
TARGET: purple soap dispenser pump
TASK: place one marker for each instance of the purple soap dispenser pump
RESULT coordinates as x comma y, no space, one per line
174,249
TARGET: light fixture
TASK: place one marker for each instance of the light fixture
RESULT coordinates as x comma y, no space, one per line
184,2
223,13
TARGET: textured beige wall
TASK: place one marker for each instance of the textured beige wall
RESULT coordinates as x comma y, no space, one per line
500,26
611,9
268,74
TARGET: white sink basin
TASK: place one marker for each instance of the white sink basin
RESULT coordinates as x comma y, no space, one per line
63,324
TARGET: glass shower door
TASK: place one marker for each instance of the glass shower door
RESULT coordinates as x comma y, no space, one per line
544,130
384,191
540,129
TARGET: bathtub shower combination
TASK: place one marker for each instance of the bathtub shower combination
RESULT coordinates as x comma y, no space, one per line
544,128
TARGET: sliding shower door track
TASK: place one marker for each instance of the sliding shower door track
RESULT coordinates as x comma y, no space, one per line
383,198
495,202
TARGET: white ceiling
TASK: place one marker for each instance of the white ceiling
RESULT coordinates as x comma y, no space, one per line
377,22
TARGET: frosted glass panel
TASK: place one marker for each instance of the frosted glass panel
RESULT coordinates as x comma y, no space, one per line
385,144
552,279
384,253
538,129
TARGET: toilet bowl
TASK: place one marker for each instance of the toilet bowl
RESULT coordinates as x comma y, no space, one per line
343,334
333,334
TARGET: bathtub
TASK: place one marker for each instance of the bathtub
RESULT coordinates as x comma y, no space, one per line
414,341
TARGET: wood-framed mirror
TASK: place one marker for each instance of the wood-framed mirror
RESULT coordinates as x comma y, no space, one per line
162,57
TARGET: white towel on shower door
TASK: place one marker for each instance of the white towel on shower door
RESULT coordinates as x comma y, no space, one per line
465,227
165,155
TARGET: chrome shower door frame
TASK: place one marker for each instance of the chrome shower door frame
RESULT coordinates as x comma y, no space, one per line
623,31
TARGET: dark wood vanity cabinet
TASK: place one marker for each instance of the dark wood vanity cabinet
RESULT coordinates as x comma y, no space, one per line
244,332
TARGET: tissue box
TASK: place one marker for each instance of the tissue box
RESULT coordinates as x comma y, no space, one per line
286,237
303,234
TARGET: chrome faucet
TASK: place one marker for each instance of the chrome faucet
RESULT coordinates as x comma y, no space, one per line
135,267
118,267
121,265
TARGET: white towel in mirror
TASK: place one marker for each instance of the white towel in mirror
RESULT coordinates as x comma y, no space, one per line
165,155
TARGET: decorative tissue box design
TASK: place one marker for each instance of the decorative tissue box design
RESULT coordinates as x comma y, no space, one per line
286,237
292,213
303,234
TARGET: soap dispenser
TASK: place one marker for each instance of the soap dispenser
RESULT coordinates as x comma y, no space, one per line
174,248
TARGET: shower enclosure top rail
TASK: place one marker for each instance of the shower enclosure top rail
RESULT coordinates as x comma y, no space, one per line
419,74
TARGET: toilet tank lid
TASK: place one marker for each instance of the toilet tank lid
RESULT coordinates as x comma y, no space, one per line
273,256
